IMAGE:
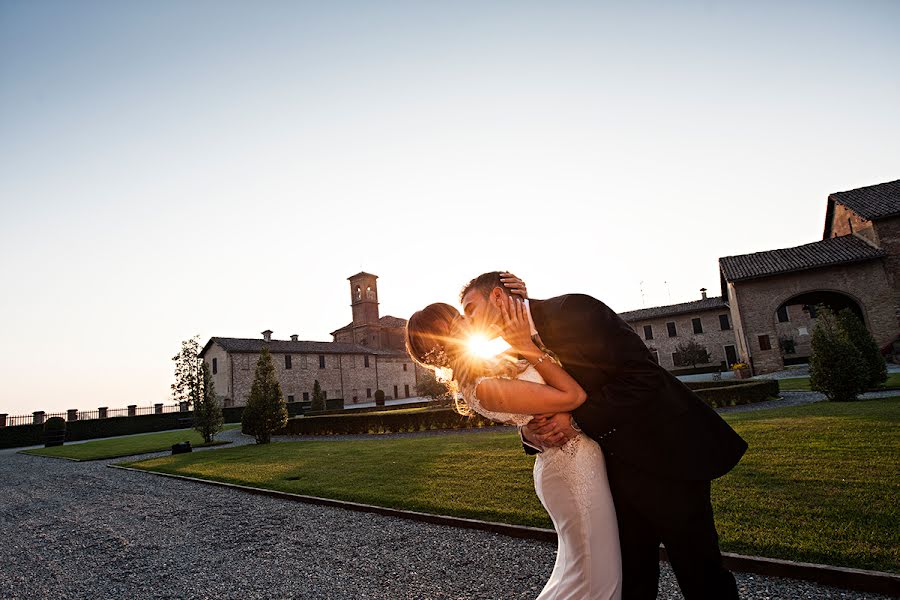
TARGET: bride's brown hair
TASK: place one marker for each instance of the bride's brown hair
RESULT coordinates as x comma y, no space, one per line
432,340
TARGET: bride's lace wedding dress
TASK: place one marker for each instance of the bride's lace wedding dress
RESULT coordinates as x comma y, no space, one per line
571,484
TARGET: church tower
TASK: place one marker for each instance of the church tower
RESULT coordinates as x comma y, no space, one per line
364,303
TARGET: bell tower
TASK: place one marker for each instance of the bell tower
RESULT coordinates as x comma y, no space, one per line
364,299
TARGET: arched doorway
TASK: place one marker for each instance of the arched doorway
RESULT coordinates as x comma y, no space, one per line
795,320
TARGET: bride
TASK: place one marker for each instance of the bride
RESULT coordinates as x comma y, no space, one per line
571,480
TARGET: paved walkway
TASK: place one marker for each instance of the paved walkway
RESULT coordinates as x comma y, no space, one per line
82,530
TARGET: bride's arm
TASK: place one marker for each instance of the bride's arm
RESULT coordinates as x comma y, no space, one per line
559,393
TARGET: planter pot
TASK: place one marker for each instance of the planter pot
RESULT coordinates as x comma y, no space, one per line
742,374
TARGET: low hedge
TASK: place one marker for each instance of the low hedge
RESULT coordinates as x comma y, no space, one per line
88,429
394,421
369,409
383,422
702,385
744,393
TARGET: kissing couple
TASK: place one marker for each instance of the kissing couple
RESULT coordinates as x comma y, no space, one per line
625,451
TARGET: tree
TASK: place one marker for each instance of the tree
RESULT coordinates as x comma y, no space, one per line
690,352
208,418
428,385
862,340
379,397
318,397
188,376
836,367
266,410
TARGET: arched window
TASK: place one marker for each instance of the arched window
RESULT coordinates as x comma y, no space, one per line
370,293
358,293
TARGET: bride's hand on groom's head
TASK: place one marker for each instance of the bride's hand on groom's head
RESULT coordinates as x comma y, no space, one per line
515,285
516,329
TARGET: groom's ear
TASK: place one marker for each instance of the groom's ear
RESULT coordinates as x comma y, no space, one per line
497,296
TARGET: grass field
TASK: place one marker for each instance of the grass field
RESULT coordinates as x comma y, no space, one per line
801,384
127,445
818,484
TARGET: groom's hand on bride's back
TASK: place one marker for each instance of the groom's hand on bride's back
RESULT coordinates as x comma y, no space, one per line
550,430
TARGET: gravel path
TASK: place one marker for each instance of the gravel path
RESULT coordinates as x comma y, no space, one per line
82,530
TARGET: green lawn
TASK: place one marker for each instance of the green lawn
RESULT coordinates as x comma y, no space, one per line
819,483
801,384
127,445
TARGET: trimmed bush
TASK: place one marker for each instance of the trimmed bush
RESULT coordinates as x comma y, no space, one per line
383,422
54,432
266,410
861,338
836,368
745,393
379,397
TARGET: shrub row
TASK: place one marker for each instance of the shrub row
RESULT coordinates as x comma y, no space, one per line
702,385
388,421
745,393
370,409
383,422
32,435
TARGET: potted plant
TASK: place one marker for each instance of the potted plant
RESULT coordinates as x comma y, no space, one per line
741,370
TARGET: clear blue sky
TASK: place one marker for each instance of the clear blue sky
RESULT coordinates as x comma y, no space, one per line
172,168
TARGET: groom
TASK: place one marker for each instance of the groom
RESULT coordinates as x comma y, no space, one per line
663,445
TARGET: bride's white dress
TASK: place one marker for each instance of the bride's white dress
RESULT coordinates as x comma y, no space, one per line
572,485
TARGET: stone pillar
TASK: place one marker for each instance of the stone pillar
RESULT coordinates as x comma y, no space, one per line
132,410
102,410
183,406
157,408
3,419
72,414
38,417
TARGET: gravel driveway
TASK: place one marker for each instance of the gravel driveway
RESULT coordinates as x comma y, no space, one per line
82,530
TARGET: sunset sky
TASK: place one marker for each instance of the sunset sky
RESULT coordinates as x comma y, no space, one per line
220,168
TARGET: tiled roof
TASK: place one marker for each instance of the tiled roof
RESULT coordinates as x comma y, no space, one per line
254,346
385,321
642,314
824,253
873,202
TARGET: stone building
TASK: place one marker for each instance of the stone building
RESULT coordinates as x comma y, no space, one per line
773,295
707,321
365,356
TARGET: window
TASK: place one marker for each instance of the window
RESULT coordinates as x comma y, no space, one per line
215,366
677,360
287,361
306,396
654,354
404,366
811,310
406,390
764,343
325,394
395,389
368,392
290,397
724,324
366,361
782,314
648,332
787,345
697,324
303,363
321,361
670,326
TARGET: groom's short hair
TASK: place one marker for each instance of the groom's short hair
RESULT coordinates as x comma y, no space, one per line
484,283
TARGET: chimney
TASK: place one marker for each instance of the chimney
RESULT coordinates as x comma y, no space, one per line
294,337
703,293
267,335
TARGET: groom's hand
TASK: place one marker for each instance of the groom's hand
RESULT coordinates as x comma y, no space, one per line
550,430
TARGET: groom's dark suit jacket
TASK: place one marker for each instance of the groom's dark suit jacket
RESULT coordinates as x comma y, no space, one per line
640,414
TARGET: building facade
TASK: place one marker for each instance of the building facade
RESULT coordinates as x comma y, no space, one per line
365,356
706,321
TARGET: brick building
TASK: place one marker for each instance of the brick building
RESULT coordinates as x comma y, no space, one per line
766,313
773,295
365,356
707,321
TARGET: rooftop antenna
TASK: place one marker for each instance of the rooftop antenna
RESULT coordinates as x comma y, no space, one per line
643,302
668,291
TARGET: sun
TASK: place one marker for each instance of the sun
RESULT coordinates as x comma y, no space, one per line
483,347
